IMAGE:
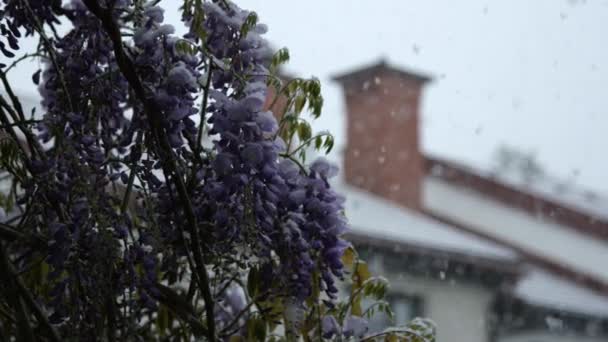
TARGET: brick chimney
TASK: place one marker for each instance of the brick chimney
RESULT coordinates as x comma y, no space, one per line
383,151
277,106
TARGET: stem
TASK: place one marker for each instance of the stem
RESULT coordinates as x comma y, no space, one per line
18,117
110,307
297,162
27,296
19,123
199,137
227,330
305,143
384,333
25,56
181,308
319,322
125,199
23,321
12,96
5,122
281,91
10,234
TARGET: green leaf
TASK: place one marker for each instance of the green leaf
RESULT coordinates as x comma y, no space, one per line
329,144
162,320
299,104
250,22
424,327
314,87
256,329
315,105
318,142
392,338
181,307
304,131
280,57
184,47
253,281
293,85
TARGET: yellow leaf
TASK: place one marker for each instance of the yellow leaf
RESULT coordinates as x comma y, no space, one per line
236,338
391,338
348,258
361,273
355,309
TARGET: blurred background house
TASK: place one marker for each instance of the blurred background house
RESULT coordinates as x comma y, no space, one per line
502,254
509,255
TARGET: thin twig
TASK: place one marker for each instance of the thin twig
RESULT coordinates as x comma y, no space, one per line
16,61
307,142
227,330
26,122
9,233
393,331
297,162
18,117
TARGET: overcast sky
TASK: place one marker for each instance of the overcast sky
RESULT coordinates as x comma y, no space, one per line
529,74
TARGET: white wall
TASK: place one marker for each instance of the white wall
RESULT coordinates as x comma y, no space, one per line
459,310
547,337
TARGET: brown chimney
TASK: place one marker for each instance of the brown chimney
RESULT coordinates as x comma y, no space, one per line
278,106
383,151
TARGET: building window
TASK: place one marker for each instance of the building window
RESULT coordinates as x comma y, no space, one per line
405,308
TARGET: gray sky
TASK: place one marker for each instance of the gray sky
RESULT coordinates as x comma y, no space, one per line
530,74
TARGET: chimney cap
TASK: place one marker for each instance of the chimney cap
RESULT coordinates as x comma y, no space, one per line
380,66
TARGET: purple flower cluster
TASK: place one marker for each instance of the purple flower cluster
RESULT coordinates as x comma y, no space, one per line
86,97
253,206
170,76
30,15
291,220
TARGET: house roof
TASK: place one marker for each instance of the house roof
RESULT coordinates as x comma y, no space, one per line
542,288
382,66
547,243
543,196
373,216
375,219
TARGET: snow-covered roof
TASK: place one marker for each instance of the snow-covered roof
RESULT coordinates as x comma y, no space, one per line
544,289
373,216
549,240
563,193
534,181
